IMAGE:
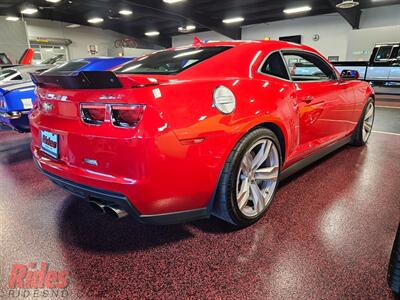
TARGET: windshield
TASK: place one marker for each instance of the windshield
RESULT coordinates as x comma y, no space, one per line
52,60
10,74
170,62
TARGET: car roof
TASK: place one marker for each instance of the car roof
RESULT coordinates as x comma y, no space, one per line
255,43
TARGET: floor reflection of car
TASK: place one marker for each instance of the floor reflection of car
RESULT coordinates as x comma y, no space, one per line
394,266
17,95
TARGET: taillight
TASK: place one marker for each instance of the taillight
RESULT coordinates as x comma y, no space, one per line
126,116
93,113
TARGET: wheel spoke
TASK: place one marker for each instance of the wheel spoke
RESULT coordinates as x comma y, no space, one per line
267,173
246,163
367,127
258,197
369,113
257,177
262,154
365,133
243,196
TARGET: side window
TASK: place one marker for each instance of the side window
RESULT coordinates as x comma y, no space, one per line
304,66
275,66
383,53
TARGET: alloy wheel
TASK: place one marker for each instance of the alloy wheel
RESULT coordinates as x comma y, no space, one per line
368,121
257,178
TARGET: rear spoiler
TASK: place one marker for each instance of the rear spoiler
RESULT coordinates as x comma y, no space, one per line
83,80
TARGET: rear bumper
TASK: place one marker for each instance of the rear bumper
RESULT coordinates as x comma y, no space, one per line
121,201
13,115
15,120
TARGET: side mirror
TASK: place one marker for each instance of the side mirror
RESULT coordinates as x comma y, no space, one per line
350,75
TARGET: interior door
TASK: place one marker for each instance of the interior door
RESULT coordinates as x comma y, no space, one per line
325,106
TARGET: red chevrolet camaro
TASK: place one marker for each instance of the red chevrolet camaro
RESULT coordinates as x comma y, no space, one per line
190,132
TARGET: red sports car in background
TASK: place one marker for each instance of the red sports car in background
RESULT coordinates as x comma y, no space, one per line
190,132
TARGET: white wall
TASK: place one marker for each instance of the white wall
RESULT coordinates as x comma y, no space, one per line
81,37
187,39
336,36
331,28
380,16
380,24
13,39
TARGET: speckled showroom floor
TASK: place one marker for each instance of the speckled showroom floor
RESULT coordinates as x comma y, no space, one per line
327,235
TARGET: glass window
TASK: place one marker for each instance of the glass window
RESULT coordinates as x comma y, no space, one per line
171,61
383,53
9,74
304,66
6,73
4,59
275,66
49,54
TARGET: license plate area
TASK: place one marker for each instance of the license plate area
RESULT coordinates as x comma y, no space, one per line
49,143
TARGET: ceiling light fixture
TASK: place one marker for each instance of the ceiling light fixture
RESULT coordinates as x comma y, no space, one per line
296,10
125,12
188,28
73,26
233,20
53,1
29,11
95,20
345,4
152,33
13,19
172,1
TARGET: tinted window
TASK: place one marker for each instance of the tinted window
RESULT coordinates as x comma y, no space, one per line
170,61
7,73
10,74
53,60
383,53
304,66
275,66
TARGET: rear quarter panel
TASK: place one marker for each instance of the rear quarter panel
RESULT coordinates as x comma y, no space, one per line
188,109
362,92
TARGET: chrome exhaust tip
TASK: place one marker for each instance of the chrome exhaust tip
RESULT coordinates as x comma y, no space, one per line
115,212
97,206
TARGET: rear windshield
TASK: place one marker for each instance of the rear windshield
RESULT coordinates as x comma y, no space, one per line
170,62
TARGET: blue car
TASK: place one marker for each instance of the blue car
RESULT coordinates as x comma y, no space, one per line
17,91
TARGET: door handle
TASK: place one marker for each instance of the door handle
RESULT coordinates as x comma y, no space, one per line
307,99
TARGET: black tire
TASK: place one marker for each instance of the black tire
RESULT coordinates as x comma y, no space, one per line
225,204
357,137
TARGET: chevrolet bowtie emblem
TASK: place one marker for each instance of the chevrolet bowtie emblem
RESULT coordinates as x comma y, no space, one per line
46,107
